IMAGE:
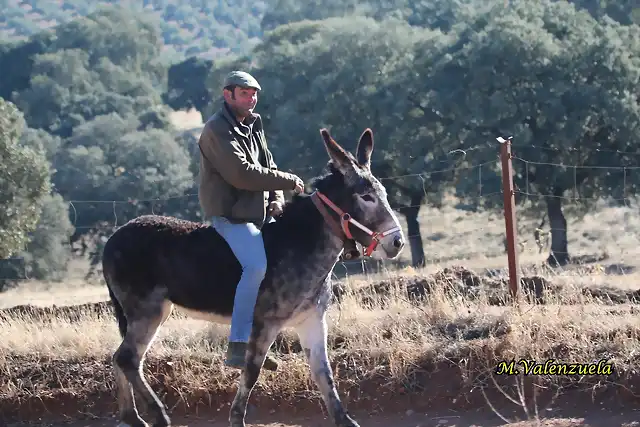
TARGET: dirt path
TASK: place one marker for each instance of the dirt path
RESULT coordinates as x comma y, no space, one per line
484,418
608,409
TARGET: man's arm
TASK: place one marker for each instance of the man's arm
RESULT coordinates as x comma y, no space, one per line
229,159
274,195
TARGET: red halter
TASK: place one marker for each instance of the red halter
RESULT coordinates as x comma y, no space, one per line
342,230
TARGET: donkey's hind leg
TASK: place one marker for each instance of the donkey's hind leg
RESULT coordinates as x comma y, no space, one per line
262,337
144,323
129,416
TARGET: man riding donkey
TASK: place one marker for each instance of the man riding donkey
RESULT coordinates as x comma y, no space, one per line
240,186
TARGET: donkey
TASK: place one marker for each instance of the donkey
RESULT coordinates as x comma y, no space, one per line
155,263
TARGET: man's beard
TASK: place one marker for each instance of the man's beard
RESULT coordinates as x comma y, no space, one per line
241,112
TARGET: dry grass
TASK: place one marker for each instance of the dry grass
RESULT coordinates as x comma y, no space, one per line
476,238
391,341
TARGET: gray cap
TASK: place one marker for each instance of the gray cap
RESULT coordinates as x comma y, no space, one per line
242,79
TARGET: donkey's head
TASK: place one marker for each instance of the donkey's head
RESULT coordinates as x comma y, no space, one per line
354,202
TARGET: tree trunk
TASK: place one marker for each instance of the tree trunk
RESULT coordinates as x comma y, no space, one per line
559,246
413,230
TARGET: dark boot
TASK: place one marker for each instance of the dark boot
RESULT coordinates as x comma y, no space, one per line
236,352
270,363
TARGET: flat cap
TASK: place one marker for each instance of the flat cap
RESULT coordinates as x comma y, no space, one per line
242,79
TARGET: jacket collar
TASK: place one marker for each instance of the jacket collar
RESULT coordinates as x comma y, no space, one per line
242,129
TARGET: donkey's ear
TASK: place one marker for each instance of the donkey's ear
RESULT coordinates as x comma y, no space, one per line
365,148
336,152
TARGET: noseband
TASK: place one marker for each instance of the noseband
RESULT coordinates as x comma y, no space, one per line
342,229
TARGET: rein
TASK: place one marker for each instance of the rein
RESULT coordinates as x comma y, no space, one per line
341,229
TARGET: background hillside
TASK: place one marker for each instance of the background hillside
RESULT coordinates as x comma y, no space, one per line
211,29
188,27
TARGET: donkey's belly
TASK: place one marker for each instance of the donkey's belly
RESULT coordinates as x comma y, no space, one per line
290,302
201,282
204,315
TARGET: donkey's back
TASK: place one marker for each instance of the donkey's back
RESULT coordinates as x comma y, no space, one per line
184,262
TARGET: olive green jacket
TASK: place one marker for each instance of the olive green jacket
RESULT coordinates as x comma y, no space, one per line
238,177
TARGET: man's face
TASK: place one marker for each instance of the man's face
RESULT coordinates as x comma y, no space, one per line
242,100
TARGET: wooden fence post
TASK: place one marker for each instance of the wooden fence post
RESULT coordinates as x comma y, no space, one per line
509,214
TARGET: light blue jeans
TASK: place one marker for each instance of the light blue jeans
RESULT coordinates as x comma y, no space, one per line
245,240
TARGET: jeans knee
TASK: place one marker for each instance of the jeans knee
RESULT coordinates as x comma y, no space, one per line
256,271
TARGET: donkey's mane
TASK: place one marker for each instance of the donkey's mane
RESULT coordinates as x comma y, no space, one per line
300,214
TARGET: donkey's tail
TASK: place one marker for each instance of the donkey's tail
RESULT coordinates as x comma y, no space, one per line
119,313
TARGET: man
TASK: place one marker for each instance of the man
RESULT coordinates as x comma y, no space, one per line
239,185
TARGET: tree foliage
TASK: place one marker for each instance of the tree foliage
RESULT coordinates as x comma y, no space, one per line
106,62
559,77
110,156
187,27
444,15
92,102
563,84
186,86
47,254
24,182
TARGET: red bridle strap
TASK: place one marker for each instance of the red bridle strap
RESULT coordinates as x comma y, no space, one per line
342,230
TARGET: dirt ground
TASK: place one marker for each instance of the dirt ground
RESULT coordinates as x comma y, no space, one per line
584,408
482,418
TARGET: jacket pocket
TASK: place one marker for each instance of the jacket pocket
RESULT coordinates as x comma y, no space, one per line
249,205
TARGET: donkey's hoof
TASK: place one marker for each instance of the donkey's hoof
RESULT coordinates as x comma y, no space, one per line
162,419
270,364
132,419
138,423
237,422
349,422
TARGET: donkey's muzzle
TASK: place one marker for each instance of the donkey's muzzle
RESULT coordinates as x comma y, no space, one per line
398,242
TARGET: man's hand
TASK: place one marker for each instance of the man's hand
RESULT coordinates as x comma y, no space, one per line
299,188
274,209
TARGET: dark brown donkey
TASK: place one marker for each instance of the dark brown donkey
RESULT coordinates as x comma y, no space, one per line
154,263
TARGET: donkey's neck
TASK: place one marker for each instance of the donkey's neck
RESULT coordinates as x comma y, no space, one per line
303,229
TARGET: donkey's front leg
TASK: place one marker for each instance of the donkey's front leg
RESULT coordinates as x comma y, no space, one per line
261,339
313,338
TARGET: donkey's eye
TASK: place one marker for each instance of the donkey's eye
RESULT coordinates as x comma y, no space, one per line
367,198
